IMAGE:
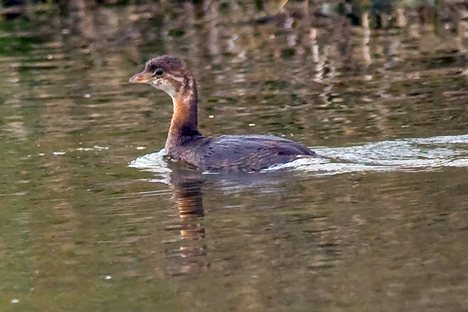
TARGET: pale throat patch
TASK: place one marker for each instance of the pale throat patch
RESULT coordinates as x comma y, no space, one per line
166,86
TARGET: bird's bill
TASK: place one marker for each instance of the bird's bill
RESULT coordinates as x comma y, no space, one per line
142,77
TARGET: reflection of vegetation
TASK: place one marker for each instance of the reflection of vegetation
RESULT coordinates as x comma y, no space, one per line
353,9
12,44
9,45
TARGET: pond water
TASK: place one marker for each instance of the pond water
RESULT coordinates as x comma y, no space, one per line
93,219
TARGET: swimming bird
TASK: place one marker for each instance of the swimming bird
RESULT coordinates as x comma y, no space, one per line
225,153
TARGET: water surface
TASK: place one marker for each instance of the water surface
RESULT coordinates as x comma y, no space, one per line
92,218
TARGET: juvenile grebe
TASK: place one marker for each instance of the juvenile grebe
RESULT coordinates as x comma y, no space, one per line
246,153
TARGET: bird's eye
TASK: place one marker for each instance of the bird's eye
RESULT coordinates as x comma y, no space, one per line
158,72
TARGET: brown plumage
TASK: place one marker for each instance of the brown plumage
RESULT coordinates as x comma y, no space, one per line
246,153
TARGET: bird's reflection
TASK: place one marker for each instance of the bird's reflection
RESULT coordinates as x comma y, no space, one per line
190,256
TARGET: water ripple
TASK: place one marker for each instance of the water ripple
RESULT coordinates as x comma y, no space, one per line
397,155
414,154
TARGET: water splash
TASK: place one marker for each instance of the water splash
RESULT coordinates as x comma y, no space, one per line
398,155
418,154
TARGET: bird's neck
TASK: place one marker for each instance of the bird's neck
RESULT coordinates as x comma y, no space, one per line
184,122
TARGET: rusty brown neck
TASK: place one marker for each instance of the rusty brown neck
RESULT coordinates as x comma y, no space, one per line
184,122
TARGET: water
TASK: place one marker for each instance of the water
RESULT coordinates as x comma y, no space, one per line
399,155
93,219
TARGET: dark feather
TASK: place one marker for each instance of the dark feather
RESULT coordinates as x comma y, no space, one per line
240,152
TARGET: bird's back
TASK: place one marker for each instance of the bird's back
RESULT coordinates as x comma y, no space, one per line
239,152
